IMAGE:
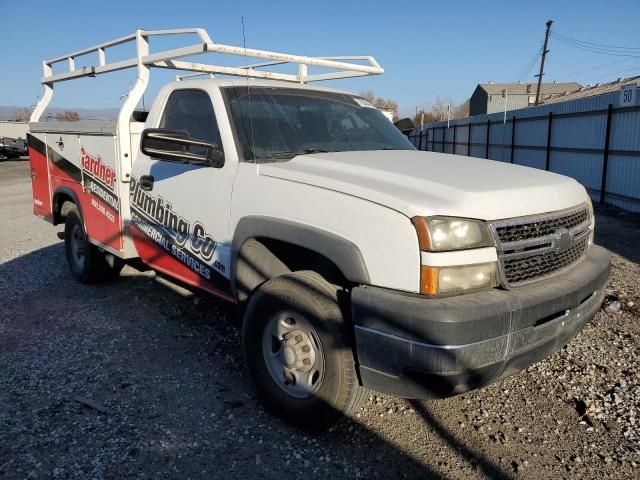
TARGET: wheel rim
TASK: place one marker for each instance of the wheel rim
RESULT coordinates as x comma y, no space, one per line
78,246
293,354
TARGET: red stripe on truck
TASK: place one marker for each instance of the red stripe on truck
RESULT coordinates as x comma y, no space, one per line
153,255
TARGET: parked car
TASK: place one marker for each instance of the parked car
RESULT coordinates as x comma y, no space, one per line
12,147
358,262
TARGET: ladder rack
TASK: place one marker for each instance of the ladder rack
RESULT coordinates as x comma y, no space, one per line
343,67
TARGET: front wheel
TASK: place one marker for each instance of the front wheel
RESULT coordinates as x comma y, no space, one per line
297,349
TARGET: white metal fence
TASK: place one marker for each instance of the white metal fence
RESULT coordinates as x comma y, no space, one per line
594,140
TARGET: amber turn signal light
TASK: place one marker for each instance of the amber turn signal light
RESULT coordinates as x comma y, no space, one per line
424,240
428,280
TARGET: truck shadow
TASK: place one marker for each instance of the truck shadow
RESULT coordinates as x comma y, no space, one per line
135,292
618,231
486,466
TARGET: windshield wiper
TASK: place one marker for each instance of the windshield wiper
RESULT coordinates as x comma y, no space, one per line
291,154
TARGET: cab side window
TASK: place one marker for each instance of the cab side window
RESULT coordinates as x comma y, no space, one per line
191,111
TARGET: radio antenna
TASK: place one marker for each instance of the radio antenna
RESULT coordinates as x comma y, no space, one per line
244,45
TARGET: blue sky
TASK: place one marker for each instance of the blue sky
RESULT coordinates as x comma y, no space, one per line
428,49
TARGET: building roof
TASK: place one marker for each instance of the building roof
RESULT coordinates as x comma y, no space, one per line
597,89
529,88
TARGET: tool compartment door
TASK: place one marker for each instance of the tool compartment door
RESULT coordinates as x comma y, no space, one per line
100,190
39,175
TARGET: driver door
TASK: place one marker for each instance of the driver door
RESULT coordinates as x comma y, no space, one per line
180,211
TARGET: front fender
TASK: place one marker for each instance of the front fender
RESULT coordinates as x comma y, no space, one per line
342,252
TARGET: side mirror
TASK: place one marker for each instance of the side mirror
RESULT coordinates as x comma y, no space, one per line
405,125
178,146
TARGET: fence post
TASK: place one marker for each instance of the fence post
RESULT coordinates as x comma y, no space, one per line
513,136
469,140
420,135
453,150
548,158
486,153
605,158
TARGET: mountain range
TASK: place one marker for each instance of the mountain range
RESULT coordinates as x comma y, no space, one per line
9,112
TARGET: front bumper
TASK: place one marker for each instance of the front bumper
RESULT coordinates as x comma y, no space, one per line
416,347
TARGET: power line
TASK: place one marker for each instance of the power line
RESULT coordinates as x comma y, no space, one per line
524,73
600,50
595,45
604,30
594,68
636,67
614,53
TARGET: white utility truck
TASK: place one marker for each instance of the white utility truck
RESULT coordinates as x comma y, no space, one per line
358,262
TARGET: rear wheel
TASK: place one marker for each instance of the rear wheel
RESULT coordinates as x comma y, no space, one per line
297,349
87,263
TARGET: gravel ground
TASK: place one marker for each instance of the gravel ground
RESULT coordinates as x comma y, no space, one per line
136,380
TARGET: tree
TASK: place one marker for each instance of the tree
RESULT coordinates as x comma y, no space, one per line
462,110
440,108
429,117
439,111
68,116
381,103
22,115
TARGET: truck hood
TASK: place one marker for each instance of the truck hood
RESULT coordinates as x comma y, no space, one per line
428,183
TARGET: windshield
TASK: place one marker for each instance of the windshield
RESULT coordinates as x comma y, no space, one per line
276,124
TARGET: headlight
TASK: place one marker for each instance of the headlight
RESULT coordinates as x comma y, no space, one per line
592,221
440,234
452,280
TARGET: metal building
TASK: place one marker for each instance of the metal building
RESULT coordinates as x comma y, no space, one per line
595,140
496,97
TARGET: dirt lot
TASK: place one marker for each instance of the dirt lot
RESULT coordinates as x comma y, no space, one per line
136,380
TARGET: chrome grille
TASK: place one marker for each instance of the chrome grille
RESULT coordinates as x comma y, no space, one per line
521,270
532,248
526,231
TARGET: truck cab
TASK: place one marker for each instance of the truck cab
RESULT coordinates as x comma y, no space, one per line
357,262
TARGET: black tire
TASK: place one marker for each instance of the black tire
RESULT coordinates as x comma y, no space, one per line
87,263
308,298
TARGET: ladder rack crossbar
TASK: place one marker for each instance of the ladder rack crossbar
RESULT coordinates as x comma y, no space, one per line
130,38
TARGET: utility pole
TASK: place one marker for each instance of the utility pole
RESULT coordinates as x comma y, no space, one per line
505,95
544,55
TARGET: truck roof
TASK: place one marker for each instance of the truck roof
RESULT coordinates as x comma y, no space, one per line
255,82
108,127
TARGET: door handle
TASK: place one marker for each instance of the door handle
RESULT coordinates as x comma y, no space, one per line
146,182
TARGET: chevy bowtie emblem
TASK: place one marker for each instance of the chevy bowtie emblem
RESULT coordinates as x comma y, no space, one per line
563,240
33,174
